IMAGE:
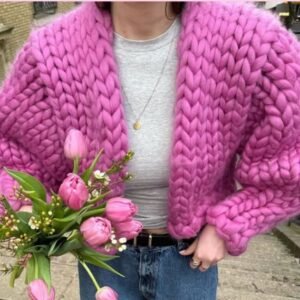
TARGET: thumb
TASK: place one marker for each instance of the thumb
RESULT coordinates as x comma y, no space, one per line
191,249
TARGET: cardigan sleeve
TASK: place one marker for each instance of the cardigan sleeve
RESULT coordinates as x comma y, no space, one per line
21,89
269,165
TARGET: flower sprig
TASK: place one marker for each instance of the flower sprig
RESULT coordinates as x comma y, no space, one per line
80,218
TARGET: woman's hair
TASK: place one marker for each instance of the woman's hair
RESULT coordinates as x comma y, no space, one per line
177,7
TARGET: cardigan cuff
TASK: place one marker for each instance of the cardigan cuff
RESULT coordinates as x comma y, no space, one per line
231,225
234,242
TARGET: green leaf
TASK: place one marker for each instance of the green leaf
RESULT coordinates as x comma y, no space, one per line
38,267
91,256
85,251
23,225
68,223
94,212
29,183
101,264
67,247
55,246
16,273
30,270
68,218
88,172
32,188
43,264
37,249
59,212
100,197
24,217
7,205
73,216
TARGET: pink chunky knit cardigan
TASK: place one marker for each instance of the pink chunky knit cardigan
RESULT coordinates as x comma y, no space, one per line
238,92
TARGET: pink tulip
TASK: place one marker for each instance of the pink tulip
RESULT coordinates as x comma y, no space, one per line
107,293
74,192
96,231
38,290
75,145
120,209
129,229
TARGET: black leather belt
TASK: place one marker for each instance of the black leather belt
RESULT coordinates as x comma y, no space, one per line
151,240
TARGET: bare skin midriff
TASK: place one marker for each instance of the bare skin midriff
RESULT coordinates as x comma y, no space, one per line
156,230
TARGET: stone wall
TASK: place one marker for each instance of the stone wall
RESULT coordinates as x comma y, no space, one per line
20,16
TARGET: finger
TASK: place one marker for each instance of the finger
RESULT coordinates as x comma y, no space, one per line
191,249
196,259
195,263
204,266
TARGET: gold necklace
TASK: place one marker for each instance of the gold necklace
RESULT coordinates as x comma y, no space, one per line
138,124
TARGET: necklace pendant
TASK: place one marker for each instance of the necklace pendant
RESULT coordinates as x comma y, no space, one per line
137,125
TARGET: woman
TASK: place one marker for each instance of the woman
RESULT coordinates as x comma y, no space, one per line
188,87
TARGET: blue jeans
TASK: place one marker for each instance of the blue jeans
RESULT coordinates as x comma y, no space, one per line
157,273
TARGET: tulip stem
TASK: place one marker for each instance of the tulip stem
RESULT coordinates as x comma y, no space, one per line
88,270
76,165
94,212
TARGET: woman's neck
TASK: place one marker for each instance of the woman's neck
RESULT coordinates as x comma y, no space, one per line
141,20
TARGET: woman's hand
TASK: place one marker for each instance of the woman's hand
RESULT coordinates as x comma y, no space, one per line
207,249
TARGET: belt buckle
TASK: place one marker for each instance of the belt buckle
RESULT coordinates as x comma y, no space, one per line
150,238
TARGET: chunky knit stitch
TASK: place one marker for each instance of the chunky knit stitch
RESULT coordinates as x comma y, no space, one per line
238,91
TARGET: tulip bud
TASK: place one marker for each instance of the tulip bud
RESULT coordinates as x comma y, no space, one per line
120,209
38,290
96,231
75,145
74,192
129,229
107,293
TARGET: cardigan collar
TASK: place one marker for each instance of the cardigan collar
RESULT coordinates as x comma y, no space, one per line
99,32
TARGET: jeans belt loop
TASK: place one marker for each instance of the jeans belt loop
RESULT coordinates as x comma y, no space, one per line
150,240
135,241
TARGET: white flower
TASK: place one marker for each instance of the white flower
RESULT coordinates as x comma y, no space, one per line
122,248
98,174
33,223
106,180
122,240
107,247
95,193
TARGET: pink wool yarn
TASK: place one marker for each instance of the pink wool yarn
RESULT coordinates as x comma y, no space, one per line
238,89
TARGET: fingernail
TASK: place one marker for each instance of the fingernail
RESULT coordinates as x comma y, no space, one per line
193,266
182,252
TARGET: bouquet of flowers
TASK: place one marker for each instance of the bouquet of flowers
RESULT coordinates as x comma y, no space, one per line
77,220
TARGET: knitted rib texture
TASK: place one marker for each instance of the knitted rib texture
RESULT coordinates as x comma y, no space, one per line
238,91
